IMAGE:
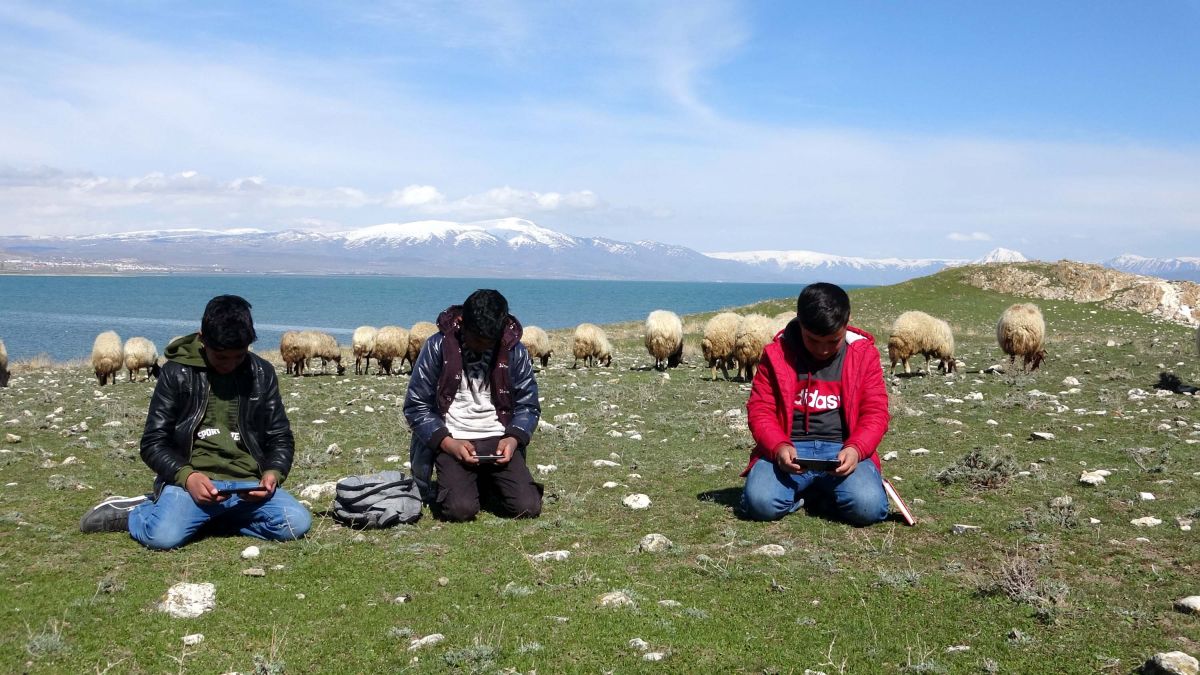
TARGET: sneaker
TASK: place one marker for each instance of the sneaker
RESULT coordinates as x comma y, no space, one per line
110,515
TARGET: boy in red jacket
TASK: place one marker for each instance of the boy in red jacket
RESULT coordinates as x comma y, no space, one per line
818,395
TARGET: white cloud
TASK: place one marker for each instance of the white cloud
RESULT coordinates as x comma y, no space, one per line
969,236
416,195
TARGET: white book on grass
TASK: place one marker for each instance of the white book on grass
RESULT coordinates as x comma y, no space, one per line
899,503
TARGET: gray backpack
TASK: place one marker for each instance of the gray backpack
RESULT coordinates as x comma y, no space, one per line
377,500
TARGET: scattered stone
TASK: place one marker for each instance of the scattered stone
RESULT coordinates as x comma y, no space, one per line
1061,502
615,599
1148,521
1146,496
997,369
771,550
1093,521
890,455
550,556
639,644
12,438
600,463
1185,524
254,572
669,603
250,552
610,484
543,425
1070,381
443,582
654,543
918,451
1188,605
637,501
427,641
188,601
402,599
959,528
567,417
974,396
615,434
655,656
392,459
1041,436
70,460
193,639
958,648
635,437
333,449
319,492
1172,663
545,469
1110,343
992,423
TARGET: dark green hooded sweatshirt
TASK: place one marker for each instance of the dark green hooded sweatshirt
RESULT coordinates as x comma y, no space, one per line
217,449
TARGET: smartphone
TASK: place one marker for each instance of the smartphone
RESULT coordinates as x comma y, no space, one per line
483,459
239,490
814,464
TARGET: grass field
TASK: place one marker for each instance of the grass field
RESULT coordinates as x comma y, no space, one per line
1040,587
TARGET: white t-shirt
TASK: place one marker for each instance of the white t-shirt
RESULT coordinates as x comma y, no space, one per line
472,414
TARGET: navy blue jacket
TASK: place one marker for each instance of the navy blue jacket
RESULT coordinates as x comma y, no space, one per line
435,379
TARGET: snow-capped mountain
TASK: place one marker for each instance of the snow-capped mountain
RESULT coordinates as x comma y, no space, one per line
1185,269
1001,255
810,265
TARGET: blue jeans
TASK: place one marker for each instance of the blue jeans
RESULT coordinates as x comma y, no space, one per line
772,493
176,518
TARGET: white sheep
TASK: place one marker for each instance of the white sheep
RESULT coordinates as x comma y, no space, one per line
1021,331
4,372
754,332
363,345
292,349
537,343
417,335
664,338
325,347
915,333
720,334
591,344
141,353
391,346
107,357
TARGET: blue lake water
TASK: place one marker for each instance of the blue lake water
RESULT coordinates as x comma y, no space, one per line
61,315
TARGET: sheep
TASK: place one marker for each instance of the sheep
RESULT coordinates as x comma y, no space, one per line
754,332
292,350
1021,331
417,335
591,345
664,338
363,344
141,353
916,333
326,348
720,333
107,357
537,343
4,372
391,344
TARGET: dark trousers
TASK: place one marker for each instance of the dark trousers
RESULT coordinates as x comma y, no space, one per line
459,485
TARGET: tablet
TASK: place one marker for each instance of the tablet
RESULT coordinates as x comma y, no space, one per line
814,464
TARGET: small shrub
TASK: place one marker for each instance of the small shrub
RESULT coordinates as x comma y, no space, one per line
979,471
477,658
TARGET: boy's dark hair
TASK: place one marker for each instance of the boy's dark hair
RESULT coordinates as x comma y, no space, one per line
823,308
484,313
227,323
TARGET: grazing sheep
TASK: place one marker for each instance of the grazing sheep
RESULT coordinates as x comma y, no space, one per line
720,333
107,357
363,344
591,345
391,344
1021,331
141,353
4,372
537,343
664,338
916,333
754,332
292,350
417,335
326,348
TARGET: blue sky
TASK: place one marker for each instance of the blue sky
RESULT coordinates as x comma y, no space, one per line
933,129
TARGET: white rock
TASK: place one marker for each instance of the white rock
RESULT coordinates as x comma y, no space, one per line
112,425
615,599
974,396
959,528
615,434
992,423
1188,605
1094,521
1062,502
654,543
392,458
12,438
70,460
1146,496
368,409
890,455
771,550
1041,436
669,603
655,656
610,484
550,556
250,552
193,639
566,417
639,644
188,601
1070,382
600,463
1110,343
637,501
1147,521
1102,472
544,469
427,641
1174,663
635,437
254,572
1091,478
918,451
543,425
319,492
954,649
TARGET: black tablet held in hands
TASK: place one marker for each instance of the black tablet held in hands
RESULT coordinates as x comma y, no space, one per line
483,459
814,464
239,490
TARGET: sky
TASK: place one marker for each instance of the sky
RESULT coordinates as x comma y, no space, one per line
877,129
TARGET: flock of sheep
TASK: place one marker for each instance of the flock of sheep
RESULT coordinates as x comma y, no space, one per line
728,340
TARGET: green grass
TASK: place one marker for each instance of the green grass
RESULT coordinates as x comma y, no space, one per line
1038,589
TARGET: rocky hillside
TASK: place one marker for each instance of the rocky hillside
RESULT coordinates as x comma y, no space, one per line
1175,301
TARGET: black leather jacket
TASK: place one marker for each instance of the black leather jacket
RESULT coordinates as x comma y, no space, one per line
177,409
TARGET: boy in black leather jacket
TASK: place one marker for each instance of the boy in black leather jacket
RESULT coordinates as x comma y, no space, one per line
218,440
472,404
